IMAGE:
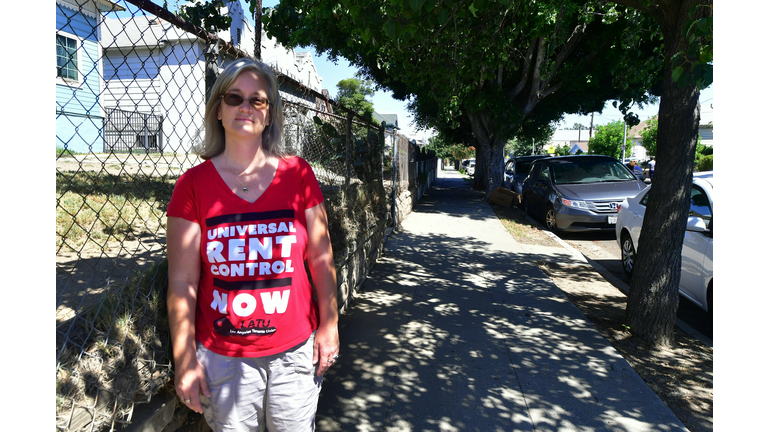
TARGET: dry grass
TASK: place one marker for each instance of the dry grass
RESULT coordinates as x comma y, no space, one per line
103,208
521,228
125,356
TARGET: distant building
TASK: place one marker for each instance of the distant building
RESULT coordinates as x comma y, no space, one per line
155,81
390,119
575,140
79,65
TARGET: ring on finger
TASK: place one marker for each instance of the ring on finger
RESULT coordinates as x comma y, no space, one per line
187,400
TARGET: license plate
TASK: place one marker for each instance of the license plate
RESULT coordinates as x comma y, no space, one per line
612,220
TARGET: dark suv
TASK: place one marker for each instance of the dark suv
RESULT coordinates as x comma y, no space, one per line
517,169
578,193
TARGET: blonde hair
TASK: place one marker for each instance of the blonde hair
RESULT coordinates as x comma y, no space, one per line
214,144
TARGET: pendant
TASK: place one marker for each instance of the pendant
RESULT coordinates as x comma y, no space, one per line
245,189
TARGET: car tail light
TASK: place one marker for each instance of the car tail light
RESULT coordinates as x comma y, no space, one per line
618,208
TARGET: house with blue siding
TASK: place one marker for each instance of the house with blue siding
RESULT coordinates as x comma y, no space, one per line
154,80
79,115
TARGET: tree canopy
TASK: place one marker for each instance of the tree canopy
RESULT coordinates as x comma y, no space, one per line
649,135
608,140
353,94
505,67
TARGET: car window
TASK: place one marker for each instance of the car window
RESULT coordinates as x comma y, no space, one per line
534,173
644,200
544,174
590,171
700,205
522,167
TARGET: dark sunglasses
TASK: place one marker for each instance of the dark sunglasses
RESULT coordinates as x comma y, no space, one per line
235,100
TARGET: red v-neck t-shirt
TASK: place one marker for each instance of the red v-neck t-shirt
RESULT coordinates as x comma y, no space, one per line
254,297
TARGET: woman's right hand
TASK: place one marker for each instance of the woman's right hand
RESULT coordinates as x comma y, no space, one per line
190,383
183,238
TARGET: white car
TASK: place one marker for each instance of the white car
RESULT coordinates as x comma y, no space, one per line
696,268
471,168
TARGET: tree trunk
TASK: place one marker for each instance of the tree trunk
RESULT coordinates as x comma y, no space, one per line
478,182
491,145
653,299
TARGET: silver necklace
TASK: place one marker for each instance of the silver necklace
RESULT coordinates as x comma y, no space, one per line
237,176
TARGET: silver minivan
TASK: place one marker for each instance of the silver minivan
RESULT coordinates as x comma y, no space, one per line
578,193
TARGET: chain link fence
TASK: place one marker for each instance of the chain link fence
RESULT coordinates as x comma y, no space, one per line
130,97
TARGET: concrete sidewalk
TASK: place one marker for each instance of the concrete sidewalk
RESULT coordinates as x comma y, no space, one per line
456,329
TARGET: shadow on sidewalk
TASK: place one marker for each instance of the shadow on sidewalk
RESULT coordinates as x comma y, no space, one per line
448,334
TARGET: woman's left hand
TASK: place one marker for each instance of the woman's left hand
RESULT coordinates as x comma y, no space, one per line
326,349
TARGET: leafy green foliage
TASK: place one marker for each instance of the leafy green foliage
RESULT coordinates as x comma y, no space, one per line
522,147
206,15
352,93
706,163
461,152
608,140
694,65
533,141
703,160
562,150
650,134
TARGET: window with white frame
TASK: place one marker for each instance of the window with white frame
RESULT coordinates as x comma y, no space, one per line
67,65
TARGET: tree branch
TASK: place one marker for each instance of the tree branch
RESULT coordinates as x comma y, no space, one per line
533,93
481,134
635,4
574,39
525,68
483,115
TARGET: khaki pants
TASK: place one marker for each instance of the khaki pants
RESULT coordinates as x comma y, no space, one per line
273,393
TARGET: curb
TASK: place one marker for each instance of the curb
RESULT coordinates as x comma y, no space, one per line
613,280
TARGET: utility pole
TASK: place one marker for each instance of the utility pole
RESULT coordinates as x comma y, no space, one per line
257,29
591,121
624,144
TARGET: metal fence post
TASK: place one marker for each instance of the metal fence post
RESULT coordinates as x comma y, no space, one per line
211,67
395,145
349,148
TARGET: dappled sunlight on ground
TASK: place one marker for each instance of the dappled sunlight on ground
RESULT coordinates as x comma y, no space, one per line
451,333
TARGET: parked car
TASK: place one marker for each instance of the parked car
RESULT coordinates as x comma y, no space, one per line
578,193
516,170
471,168
696,270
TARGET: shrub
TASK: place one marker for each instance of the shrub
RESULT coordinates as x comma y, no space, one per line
706,163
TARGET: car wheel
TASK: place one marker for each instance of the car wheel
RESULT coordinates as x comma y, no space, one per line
709,299
551,220
524,204
627,254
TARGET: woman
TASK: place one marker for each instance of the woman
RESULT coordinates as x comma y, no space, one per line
250,340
